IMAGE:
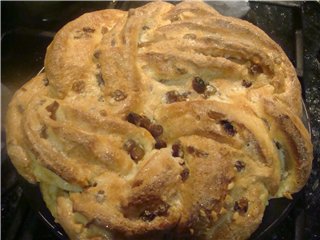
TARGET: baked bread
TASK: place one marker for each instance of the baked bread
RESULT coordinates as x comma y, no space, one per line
163,122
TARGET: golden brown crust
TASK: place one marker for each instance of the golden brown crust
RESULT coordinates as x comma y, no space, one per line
69,56
293,141
17,150
163,121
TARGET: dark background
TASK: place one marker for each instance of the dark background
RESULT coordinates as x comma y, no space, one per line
28,27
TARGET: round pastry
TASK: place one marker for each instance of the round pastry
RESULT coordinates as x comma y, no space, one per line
163,122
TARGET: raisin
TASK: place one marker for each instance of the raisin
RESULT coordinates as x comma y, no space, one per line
134,118
129,145
172,96
184,174
199,85
156,130
118,95
100,80
88,30
78,86
160,144
145,122
137,153
246,83
79,36
145,28
175,96
52,108
241,206
239,165
228,127
255,69
43,132
177,150
138,120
